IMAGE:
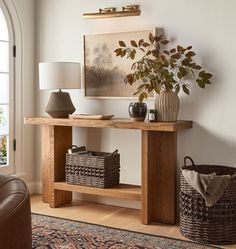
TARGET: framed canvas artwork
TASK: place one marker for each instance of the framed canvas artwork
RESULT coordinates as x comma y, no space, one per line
104,72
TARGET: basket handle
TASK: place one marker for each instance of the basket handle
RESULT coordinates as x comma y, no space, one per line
114,153
189,158
75,148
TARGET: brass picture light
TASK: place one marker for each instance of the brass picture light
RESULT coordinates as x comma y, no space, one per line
129,10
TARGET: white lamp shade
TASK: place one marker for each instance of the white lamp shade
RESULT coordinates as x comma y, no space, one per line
59,75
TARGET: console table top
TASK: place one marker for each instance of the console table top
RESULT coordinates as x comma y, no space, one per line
111,123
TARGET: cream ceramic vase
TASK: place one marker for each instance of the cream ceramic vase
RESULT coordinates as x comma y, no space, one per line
167,106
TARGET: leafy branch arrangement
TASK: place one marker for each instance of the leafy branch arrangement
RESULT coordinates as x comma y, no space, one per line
3,141
2,118
160,68
3,146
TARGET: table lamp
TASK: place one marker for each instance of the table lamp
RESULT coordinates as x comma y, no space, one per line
59,75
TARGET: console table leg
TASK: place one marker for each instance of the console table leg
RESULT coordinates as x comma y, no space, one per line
159,159
47,160
55,142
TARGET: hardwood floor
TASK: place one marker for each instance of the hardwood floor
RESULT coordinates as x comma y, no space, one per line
112,216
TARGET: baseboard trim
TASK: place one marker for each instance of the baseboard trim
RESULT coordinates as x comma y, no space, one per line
34,187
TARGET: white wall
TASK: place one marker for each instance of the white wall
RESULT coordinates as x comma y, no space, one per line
206,25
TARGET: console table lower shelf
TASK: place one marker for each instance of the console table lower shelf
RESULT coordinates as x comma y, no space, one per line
122,191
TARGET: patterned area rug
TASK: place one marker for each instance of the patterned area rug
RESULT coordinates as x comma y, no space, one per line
56,233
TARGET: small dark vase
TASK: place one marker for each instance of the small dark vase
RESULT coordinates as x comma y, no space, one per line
137,111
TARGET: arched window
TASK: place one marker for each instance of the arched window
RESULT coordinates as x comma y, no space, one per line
7,95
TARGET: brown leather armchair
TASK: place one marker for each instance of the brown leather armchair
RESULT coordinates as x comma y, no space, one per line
15,214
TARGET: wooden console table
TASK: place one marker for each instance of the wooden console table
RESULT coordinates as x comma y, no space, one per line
159,152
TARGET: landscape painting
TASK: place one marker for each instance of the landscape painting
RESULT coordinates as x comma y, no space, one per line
104,72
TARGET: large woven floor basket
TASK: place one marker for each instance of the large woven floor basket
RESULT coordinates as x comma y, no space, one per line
215,224
95,169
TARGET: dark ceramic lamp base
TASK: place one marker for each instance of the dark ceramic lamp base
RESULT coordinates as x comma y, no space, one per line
60,105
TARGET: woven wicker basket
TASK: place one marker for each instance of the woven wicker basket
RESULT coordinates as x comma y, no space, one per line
96,169
213,225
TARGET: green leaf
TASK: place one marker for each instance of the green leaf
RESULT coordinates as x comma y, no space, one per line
142,96
173,60
177,89
208,82
164,42
190,54
186,62
165,62
157,90
163,57
185,89
137,76
132,54
140,42
182,70
176,56
159,38
180,49
197,67
207,76
151,38
123,53
201,74
122,44
173,50
164,72
166,52
150,89
145,44
129,79
145,95
200,83
133,67
118,51
189,48
134,43
179,75
155,53
168,85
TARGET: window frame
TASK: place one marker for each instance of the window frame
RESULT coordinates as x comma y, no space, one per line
15,65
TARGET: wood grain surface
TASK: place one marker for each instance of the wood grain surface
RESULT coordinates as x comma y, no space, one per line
56,140
159,177
123,191
112,123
